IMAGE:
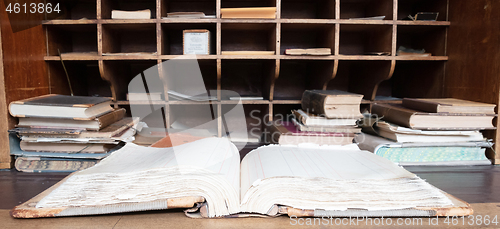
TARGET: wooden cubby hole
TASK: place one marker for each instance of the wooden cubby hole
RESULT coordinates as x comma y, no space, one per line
279,78
129,38
108,5
71,39
366,8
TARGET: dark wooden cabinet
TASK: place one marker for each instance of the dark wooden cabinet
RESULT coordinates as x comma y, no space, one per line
464,43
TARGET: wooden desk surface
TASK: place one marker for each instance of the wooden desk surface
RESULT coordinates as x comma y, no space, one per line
177,219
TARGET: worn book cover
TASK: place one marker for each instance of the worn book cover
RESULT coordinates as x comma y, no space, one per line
335,129
309,119
57,123
50,164
61,106
414,119
449,105
332,103
284,132
63,100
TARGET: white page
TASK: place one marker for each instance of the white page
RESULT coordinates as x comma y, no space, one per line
329,179
208,167
215,154
275,161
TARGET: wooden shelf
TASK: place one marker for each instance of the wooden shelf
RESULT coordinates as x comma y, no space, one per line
430,23
241,57
308,21
128,21
365,22
248,57
130,56
364,57
198,57
214,20
429,58
280,79
245,102
188,20
70,22
286,102
126,102
189,102
70,57
289,57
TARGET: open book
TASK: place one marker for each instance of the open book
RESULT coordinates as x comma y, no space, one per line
271,180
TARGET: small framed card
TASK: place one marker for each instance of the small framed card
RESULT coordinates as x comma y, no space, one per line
196,41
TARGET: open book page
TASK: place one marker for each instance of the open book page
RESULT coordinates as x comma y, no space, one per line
208,167
315,178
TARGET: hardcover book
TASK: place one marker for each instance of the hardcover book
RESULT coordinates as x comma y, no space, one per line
65,147
403,134
61,106
315,120
58,123
335,129
414,119
449,105
51,164
285,133
332,103
113,131
426,153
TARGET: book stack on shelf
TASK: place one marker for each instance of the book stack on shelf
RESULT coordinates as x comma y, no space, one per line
431,132
326,118
66,133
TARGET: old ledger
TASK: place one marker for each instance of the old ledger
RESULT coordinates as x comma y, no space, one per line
270,180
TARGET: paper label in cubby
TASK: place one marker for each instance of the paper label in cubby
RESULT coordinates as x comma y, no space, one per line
196,42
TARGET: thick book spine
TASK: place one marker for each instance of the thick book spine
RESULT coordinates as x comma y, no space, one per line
337,129
421,105
110,118
393,115
313,102
36,164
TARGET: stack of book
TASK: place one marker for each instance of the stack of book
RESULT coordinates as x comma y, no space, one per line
66,133
327,117
431,132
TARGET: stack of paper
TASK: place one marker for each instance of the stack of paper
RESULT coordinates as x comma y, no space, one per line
65,125
431,131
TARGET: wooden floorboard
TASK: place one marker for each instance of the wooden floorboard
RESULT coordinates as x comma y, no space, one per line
176,219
